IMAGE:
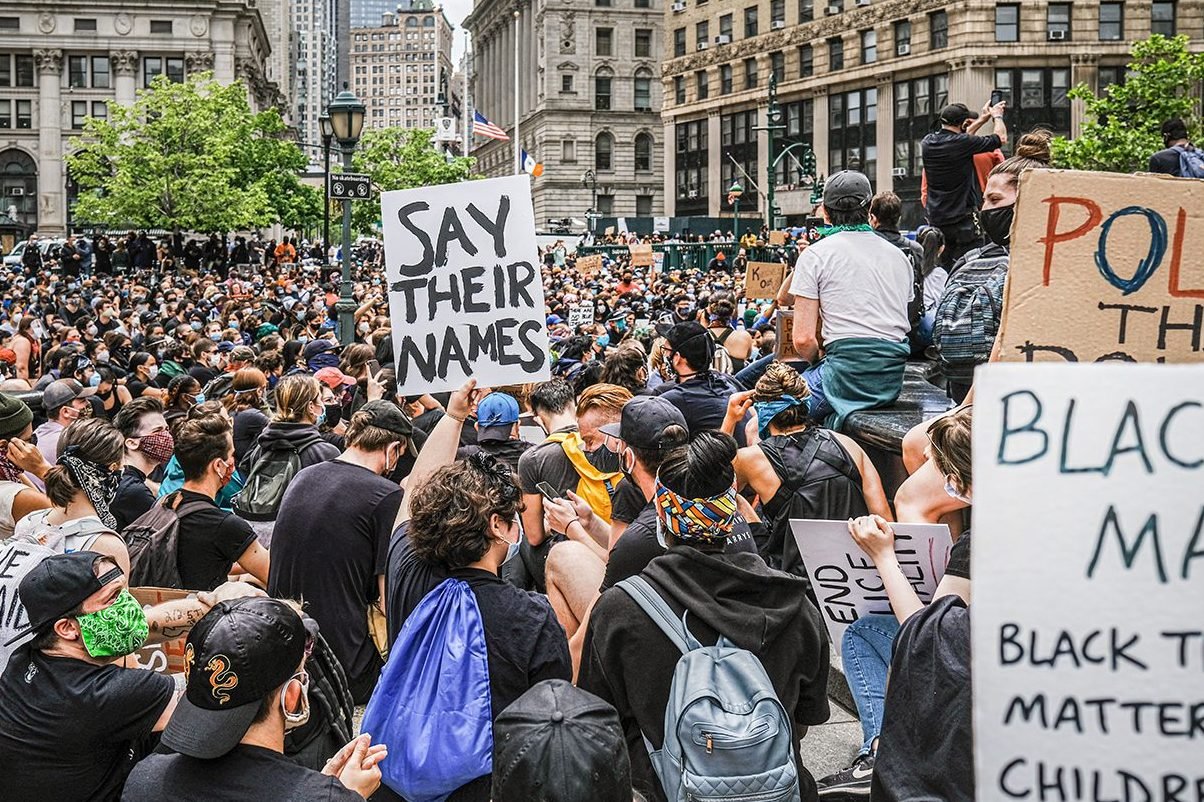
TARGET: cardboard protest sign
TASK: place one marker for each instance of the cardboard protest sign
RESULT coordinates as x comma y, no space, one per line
845,581
777,237
1105,267
588,266
641,255
658,262
784,327
166,657
762,280
581,314
1088,573
465,294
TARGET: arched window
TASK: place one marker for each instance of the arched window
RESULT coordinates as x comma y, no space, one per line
428,22
603,80
19,186
411,22
643,91
604,152
643,152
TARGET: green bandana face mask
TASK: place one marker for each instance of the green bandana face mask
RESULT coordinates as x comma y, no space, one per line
117,630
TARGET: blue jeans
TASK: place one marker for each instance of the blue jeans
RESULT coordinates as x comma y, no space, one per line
752,372
818,407
865,655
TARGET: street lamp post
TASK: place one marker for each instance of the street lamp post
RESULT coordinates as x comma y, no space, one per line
327,135
346,114
733,197
590,181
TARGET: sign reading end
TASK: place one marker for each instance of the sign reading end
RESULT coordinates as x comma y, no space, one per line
349,186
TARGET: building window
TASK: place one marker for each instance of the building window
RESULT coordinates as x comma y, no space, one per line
1007,23
679,90
738,140
835,54
725,26
566,84
568,151
79,113
602,3
777,13
679,42
643,91
25,114
606,205
602,42
1162,17
750,21
152,68
643,205
643,43
1111,22
175,70
100,73
853,132
643,153
869,46
85,25
6,114
77,72
806,61
602,92
938,30
643,4
24,69
692,158
161,26
903,38
750,73
604,147
806,10
10,23
800,129
1057,21
702,85
725,79
1036,98
777,65
702,32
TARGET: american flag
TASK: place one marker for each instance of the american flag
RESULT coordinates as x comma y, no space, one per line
482,126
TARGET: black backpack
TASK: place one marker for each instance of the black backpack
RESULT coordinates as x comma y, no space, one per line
271,473
153,541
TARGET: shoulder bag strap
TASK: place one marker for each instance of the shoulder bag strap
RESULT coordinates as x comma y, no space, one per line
651,603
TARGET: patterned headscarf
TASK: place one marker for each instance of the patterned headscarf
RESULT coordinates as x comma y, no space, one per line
767,410
697,520
97,481
9,472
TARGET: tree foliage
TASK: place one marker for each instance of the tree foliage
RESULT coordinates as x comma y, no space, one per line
1121,127
190,156
400,158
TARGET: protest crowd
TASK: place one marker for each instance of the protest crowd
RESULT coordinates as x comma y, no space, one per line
539,591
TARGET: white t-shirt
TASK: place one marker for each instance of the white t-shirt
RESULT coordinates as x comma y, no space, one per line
863,284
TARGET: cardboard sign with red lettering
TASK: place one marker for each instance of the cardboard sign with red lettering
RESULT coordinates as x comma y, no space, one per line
762,280
166,657
1105,267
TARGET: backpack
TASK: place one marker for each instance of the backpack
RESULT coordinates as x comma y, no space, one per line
727,734
432,704
970,310
595,486
219,386
1191,162
153,540
270,476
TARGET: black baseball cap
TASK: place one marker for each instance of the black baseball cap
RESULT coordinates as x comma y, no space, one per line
956,114
388,416
693,342
644,421
558,743
237,654
58,585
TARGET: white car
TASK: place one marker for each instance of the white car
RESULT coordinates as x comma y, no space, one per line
13,257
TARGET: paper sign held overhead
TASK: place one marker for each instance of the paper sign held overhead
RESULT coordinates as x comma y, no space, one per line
588,266
845,581
581,314
465,293
1105,267
1088,581
762,280
641,255
777,237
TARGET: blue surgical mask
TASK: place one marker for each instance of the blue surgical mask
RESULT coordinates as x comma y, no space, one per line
603,341
94,381
952,491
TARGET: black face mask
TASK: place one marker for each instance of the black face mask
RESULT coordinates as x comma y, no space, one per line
997,223
603,459
334,413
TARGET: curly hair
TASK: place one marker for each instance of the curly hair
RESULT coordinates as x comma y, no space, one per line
623,366
778,380
451,511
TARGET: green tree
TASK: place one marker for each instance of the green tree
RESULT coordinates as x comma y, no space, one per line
1121,127
400,158
191,156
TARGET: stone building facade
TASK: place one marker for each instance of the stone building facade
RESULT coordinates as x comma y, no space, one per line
61,63
589,100
862,81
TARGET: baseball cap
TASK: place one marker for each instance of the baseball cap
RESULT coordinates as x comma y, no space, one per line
242,353
496,415
238,653
61,392
333,378
955,114
388,416
847,190
225,347
59,584
643,423
691,340
318,346
558,743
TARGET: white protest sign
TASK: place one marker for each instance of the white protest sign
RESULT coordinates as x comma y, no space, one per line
845,581
16,560
581,314
465,294
1088,566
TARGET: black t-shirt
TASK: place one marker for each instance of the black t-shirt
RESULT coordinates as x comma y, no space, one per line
136,387
547,462
702,401
1166,162
246,772
953,191
959,558
638,546
330,543
248,424
926,746
507,451
628,501
71,730
210,542
202,374
133,497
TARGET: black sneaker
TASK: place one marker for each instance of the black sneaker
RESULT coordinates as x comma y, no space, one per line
852,783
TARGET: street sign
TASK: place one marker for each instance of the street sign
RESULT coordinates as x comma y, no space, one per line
349,186
445,129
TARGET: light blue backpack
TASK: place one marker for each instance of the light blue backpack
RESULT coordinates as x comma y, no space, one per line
727,735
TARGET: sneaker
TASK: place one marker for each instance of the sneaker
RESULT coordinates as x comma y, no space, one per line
852,783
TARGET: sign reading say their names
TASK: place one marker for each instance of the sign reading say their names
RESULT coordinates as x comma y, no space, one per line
845,580
762,280
1088,574
465,292
1105,267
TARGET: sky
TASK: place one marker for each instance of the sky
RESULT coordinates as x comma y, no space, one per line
456,11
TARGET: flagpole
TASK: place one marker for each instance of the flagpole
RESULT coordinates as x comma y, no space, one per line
465,105
518,159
